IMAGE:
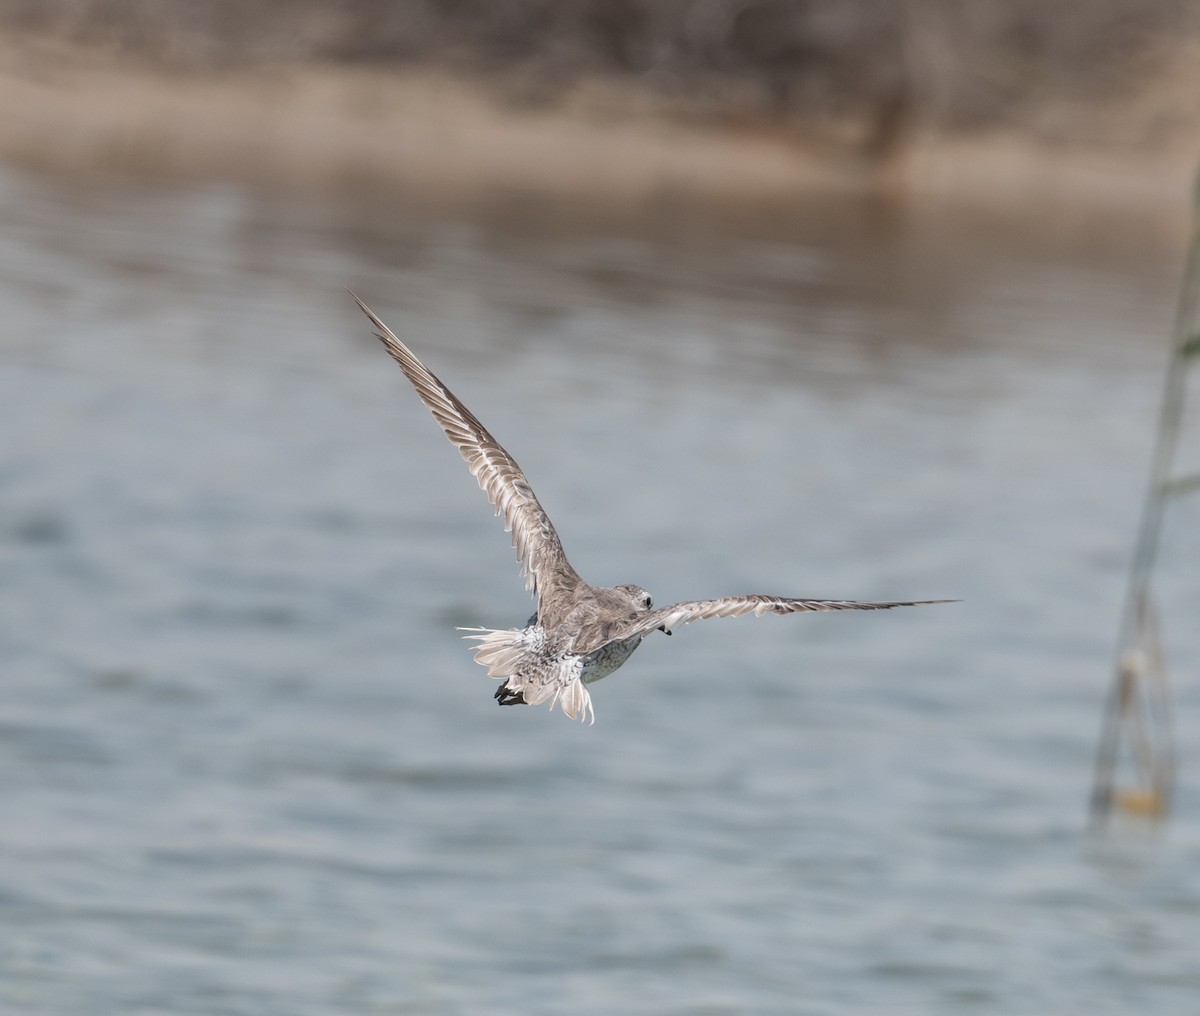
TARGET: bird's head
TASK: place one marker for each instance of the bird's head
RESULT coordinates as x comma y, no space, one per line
640,601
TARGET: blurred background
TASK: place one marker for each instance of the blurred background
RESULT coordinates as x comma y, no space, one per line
830,299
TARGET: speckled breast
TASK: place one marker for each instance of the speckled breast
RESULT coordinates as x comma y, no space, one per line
608,658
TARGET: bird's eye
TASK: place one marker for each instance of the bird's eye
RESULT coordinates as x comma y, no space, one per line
647,602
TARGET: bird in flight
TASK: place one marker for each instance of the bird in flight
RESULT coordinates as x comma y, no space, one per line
580,633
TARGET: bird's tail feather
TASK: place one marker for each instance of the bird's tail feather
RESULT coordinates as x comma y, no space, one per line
513,654
500,650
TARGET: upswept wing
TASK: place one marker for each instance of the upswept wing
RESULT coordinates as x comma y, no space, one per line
544,564
752,603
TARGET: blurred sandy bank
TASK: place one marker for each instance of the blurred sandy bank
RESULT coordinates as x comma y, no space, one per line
438,135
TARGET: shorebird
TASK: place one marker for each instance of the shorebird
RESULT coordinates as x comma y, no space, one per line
579,633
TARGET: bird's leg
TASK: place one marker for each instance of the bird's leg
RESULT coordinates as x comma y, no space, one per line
664,629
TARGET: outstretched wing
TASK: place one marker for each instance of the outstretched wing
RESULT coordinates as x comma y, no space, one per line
539,549
752,603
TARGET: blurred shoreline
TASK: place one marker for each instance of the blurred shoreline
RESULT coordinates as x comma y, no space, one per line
440,138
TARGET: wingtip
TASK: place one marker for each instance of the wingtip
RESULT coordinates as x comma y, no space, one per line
382,332
363,307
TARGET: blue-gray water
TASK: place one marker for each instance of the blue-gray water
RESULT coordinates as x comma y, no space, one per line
248,766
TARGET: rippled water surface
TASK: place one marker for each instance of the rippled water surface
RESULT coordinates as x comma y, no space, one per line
249,767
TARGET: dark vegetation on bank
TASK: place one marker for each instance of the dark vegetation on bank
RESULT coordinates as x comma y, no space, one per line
880,65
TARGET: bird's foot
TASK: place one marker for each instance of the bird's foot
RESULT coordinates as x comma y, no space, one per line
506,697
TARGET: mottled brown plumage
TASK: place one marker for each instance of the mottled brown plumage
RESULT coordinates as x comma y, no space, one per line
580,633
